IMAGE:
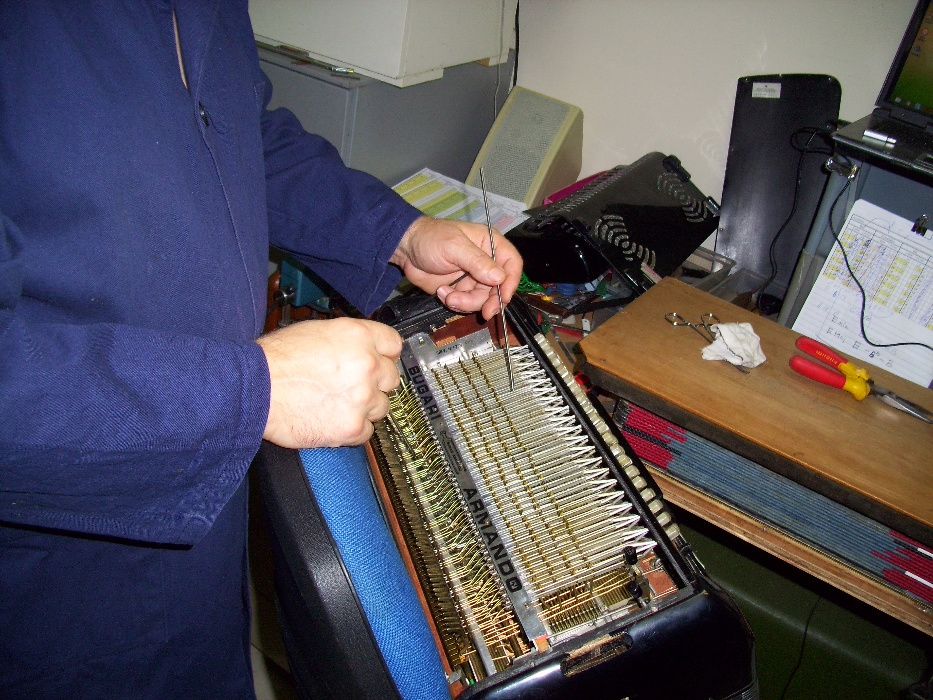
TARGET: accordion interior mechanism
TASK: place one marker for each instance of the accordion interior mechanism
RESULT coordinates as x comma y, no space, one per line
545,561
545,557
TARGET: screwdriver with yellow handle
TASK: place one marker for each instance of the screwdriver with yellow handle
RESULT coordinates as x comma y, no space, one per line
848,377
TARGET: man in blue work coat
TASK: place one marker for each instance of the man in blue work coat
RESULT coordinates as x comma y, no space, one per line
141,179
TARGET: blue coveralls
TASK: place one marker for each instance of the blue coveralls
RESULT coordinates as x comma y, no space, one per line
135,218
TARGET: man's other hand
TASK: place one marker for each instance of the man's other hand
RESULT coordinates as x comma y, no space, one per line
435,253
330,381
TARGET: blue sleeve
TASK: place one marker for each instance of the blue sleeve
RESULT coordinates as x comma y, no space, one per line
344,224
119,431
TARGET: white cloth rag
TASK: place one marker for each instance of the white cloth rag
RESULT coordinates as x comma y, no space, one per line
735,343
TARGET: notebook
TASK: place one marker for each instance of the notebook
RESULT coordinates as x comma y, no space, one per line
899,132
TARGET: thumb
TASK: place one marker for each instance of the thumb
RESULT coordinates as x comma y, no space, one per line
478,264
386,340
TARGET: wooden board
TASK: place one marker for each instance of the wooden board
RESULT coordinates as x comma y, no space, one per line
871,457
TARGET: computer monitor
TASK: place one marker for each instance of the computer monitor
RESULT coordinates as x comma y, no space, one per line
908,88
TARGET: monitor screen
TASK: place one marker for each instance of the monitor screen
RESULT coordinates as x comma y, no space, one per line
909,85
912,82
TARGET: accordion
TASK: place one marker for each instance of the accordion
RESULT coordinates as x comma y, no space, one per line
545,562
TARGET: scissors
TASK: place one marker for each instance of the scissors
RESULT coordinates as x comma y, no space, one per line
704,328
849,377
707,321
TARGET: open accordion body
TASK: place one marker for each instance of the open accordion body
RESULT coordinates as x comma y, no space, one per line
545,560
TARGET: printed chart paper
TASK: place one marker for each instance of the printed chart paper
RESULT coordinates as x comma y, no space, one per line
895,267
445,198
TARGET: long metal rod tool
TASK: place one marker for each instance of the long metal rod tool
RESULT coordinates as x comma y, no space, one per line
492,251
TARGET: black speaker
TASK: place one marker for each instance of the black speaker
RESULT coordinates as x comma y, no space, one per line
781,136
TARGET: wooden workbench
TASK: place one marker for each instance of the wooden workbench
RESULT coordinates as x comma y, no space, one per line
864,454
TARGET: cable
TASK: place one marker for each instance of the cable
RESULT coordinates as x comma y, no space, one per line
803,645
495,95
515,65
861,289
803,150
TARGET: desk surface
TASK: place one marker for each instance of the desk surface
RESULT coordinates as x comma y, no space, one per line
864,454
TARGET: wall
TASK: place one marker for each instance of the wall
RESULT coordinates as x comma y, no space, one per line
661,75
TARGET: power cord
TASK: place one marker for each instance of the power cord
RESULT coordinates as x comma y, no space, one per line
861,289
803,151
495,95
803,646
515,65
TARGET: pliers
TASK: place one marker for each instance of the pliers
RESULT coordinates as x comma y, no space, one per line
849,377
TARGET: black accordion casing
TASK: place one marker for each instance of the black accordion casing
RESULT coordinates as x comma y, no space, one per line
646,622
647,212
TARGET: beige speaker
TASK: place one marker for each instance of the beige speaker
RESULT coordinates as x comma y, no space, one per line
535,147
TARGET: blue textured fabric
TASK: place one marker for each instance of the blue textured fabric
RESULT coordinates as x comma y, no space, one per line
341,483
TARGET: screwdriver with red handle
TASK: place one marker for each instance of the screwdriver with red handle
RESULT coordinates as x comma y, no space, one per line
848,377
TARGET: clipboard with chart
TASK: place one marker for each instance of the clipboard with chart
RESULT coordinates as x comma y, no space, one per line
894,265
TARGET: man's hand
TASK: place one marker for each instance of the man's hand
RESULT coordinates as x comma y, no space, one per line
329,381
434,253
